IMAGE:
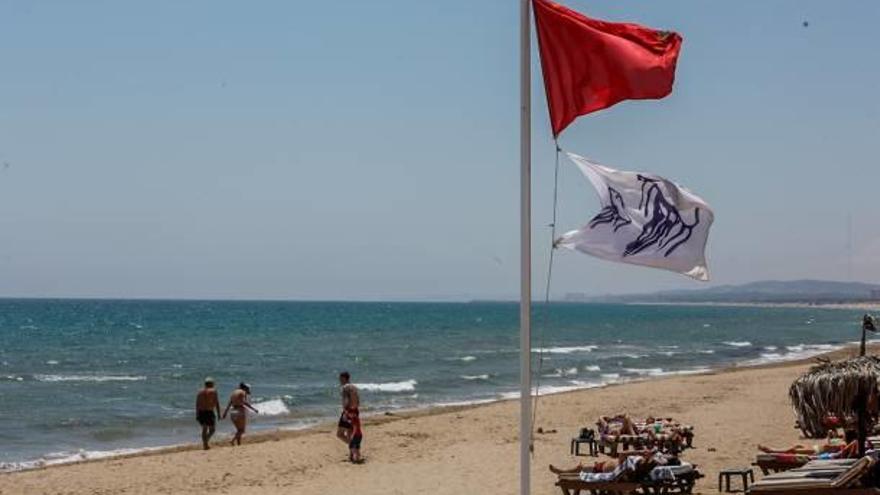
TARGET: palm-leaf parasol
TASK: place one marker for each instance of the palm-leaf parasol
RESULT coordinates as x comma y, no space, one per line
843,388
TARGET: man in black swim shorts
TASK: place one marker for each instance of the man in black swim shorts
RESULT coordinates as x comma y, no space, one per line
345,426
206,404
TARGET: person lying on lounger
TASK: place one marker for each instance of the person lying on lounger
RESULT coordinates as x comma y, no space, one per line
612,464
599,467
653,432
618,425
834,447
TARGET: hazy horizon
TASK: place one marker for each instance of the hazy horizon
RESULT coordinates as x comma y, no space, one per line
290,152
450,298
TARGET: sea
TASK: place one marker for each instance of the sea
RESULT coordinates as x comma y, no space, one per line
83,379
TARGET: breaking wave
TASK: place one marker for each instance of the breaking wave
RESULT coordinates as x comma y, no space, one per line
566,350
273,407
475,377
404,386
736,343
67,457
88,378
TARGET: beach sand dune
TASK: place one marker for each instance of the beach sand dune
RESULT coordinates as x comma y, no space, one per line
451,451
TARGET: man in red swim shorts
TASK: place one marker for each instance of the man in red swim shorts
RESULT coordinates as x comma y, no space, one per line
350,430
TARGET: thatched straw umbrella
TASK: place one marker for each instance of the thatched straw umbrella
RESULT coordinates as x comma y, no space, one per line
843,388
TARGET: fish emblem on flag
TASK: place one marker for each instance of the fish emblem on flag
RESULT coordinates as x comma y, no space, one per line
645,220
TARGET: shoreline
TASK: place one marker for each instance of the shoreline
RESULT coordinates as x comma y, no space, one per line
853,306
456,449
377,418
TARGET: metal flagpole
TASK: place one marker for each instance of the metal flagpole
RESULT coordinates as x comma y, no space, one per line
525,211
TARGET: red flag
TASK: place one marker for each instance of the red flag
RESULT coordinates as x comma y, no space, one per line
590,64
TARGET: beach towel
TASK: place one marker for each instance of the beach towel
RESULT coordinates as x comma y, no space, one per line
669,473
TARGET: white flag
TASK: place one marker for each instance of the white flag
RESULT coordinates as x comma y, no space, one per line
645,220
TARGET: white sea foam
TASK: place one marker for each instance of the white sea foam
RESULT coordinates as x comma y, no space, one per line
559,372
404,386
770,348
457,403
66,457
592,367
692,371
772,356
555,389
467,358
273,407
634,356
795,352
735,343
611,376
51,362
566,350
645,371
706,351
475,377
88,378
575,385
811,347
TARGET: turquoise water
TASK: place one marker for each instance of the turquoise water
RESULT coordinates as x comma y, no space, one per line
84,378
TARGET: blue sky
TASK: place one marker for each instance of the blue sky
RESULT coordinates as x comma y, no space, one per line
368,150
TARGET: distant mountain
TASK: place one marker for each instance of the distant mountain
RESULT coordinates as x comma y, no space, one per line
768,291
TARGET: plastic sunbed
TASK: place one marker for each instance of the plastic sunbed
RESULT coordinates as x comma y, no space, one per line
659,480
819,478
775,463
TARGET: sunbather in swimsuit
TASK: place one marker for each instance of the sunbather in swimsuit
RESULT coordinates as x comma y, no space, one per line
238,401
612,464
833,448
618,425
598,467
630,468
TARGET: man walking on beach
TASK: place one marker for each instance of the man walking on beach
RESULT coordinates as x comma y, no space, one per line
349,430
206,405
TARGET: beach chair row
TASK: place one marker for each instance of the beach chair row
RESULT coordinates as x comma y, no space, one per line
819,477
612,444
658,480
822,477
620,433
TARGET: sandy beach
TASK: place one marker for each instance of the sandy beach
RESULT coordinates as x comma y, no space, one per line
454,450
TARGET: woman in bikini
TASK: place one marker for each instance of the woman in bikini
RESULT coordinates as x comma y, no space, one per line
834,447
609,465
599,467
239,403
